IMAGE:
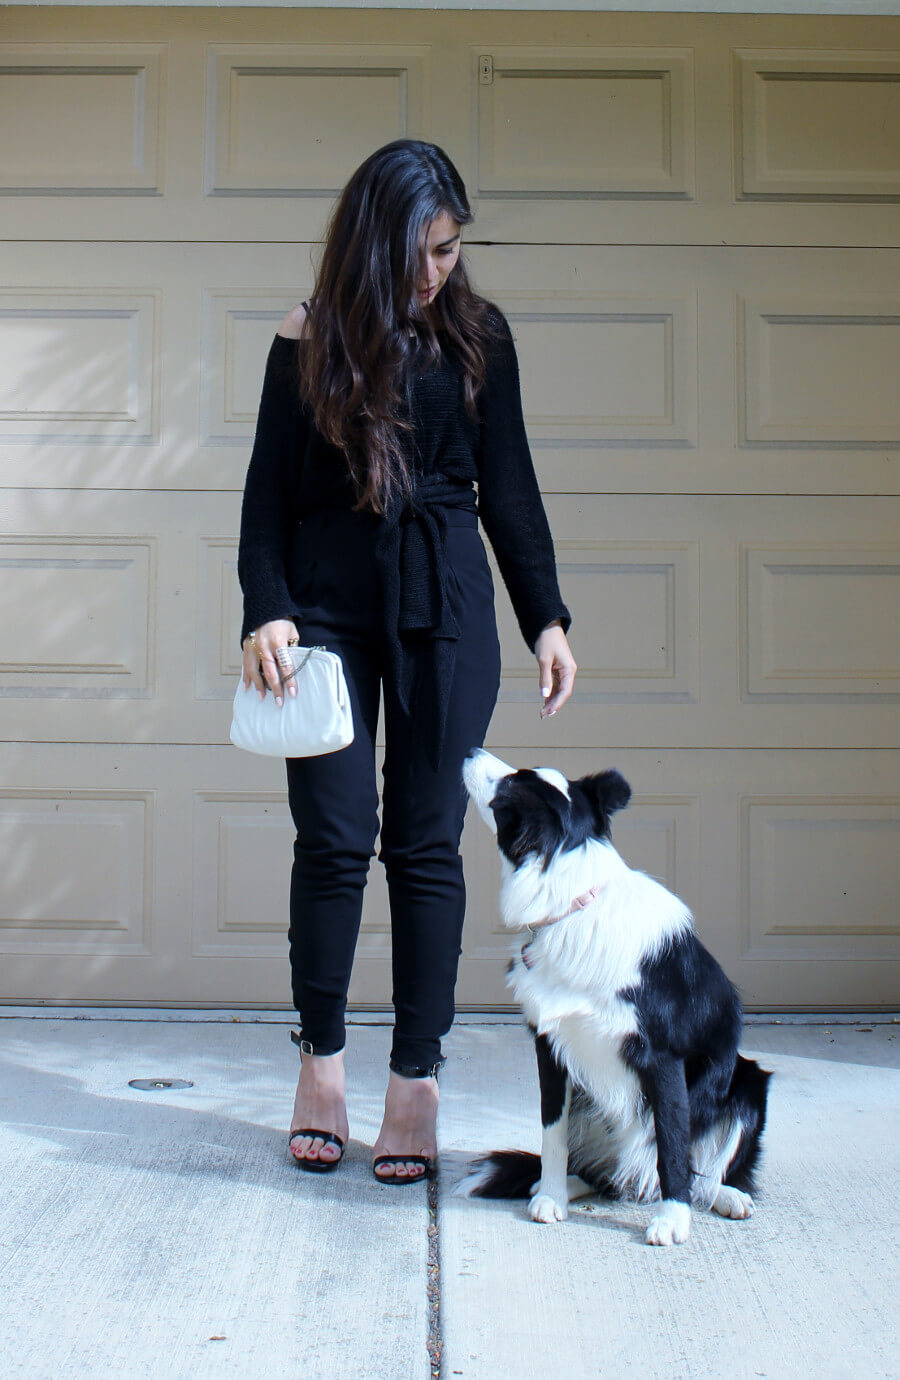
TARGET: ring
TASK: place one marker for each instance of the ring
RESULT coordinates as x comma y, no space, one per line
286,668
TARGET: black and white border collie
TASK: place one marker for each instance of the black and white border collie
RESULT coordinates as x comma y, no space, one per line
643,1093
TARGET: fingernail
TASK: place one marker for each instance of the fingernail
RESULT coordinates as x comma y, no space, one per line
552,712
545,691
278,700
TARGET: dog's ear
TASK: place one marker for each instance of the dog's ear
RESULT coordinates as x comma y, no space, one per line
607,791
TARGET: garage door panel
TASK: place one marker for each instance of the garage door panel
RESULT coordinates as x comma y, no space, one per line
253,150
816,124
794,355
624,369
823,623
88,614
54,902
89,118
819,877
122,616
79,367
636,605
584,121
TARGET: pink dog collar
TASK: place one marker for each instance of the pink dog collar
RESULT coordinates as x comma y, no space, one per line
578,904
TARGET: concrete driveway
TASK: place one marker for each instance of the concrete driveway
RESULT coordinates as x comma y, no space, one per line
166,1234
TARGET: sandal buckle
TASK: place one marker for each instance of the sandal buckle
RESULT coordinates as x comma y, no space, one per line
306,1046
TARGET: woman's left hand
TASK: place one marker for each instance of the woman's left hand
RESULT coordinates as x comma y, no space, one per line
557,668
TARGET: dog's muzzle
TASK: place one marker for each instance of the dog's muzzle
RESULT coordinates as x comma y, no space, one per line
481,772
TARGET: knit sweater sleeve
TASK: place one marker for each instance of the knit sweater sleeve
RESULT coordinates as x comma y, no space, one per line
509,499
267,510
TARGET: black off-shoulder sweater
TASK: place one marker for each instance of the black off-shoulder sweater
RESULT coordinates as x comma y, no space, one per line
294,471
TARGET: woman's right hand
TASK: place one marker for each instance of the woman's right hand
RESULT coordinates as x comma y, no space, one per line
260,666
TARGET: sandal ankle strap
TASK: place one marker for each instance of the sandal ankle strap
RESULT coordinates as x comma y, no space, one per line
416,1070
307,1046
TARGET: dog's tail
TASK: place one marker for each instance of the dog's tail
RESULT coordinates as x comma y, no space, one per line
502,1174
748,1096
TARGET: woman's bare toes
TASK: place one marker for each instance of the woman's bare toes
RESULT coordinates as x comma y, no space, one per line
400,1169
307,1148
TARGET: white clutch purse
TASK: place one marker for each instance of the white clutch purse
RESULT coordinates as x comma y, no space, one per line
316,720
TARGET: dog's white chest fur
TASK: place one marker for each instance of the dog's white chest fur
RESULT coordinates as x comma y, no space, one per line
585,1038
591,1051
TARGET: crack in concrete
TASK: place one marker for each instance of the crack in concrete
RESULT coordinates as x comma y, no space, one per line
435,1339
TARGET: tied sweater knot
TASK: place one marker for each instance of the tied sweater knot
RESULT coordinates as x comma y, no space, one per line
420,627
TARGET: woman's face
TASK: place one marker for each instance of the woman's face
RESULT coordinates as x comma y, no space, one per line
440,250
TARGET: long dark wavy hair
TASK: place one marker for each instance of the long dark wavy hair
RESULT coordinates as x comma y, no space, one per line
365,324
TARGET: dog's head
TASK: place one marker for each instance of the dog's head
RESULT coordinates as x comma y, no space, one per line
538,811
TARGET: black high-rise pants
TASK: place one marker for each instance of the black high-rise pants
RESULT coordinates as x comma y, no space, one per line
334,799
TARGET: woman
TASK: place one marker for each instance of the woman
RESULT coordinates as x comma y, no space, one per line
385,396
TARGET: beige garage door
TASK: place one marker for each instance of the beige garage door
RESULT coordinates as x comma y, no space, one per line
692,224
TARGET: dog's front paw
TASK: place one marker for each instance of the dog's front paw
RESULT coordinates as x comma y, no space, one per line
731,1202
543,1208
671,1226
